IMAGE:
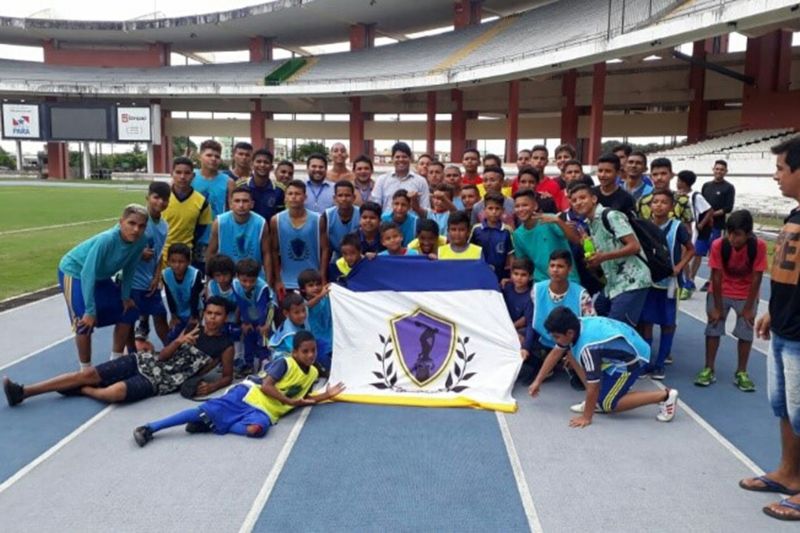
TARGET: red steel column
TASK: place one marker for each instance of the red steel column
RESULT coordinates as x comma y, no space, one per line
257,133
57,160
260,49
698,110
512,122
430,124
357,146
569,111
362,36
598,106
458,126
466,13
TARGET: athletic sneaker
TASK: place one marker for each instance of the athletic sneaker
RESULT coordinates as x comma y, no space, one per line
142,330
668,407
142,435
658,374
579,407
705,377
705,286
15,392
668,360
685,294
743,382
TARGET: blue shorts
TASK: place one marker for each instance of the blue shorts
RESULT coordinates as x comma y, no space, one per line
659,309
124,369
702,246
176,330
107,302
615,386
151,305
229,410
627,306
783,379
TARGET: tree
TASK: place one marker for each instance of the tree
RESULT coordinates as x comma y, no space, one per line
300,153
180,144
7,160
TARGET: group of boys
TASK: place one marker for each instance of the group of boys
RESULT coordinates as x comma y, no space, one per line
260,245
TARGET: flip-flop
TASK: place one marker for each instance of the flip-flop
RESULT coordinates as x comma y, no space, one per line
769,511
770,485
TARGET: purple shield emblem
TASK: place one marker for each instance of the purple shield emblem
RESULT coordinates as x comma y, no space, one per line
424,343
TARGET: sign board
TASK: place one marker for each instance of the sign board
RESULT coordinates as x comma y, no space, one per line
133,124
21,121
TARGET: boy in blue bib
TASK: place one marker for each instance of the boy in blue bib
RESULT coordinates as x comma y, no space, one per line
608,356
183,285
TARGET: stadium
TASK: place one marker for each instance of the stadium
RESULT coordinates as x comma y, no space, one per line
704,80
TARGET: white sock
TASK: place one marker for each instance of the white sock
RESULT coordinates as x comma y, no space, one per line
85,365
115,355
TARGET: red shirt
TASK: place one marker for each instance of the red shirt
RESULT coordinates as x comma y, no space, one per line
738,276
551,187
471,181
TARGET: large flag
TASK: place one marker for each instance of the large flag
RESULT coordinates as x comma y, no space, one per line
411,331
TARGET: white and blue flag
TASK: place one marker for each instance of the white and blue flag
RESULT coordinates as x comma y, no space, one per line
411,331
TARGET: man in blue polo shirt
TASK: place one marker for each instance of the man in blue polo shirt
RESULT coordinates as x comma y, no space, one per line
319,189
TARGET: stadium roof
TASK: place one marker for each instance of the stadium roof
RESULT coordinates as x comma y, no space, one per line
289,22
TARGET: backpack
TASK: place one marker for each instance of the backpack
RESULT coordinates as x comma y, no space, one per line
655,251
727,250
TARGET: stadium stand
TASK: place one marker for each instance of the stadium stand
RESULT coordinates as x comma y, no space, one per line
748,141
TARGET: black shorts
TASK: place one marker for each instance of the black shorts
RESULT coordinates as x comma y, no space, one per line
124,369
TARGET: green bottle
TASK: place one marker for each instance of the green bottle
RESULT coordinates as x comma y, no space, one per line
588,247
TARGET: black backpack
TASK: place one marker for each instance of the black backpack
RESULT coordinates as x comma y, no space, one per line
655,251
727,250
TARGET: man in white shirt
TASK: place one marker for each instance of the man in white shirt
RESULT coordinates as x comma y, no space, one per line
401,178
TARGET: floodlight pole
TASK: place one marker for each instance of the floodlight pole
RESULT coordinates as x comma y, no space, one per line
19,155
87,161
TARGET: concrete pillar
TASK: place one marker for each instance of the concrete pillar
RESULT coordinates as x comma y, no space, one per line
698,110
257,133
357,144
362,36
598,107
458,126
18,147
466,13
512,122
260,49
430,124
161,147
768,62
151,158
569,111
57,160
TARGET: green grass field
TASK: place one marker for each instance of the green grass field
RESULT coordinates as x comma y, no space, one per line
39,224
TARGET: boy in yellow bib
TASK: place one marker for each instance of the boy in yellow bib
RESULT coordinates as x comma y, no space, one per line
252,406
459,246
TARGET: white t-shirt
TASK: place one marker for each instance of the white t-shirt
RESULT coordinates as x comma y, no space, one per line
699,207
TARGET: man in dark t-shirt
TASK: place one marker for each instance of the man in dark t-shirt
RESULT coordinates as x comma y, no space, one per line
720,194
782,323
137,376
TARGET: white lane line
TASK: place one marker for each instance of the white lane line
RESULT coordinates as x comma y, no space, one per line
266,489
40,350
519,476
23,306
52,451
54,226
728,445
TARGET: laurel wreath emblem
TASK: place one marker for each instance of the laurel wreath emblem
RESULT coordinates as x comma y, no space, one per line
455,378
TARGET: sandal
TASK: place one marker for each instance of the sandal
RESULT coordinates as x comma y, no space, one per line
790,510
770,485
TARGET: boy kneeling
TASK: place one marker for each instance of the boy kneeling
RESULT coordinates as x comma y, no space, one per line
611,355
